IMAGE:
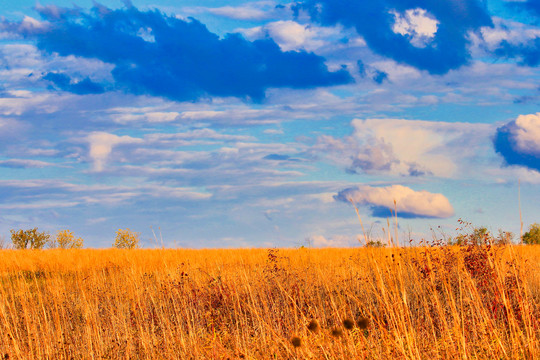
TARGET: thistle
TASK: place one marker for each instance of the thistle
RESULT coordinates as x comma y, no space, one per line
313,326
296,341
362,323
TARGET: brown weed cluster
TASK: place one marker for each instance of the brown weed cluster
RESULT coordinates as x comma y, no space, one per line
440,302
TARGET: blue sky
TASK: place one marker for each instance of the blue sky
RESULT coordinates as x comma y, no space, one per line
238,123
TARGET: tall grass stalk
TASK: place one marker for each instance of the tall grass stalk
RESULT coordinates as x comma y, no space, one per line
439,302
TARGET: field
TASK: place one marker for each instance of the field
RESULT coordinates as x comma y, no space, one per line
439,302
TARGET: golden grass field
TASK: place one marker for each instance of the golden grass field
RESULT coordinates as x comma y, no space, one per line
468,302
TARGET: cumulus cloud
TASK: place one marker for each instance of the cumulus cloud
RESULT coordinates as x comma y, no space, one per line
518,142
408,202
417,24
430,35
178,59
101,145
511,40
290,35
406,147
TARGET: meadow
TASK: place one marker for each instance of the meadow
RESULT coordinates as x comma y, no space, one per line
432,302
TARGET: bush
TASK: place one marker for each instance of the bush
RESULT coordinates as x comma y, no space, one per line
532,237
24,239
126,239
65,239
375,243
482,236
478,236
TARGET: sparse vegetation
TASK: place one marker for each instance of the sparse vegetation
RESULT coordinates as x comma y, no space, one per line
65,239
29,239
475,301
126,239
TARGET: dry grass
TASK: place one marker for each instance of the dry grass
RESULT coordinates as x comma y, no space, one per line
418,303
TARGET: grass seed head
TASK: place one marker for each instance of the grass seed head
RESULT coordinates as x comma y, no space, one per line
313,326
362,323
296,341
348,324
336,332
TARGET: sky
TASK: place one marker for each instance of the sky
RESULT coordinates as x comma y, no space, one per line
215,123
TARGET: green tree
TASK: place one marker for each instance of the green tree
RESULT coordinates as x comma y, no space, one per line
532,237
24,239
126,239
65,239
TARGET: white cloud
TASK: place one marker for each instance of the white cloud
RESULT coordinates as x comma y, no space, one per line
407,200
18,102
101,145
397,72
513,32
31,25
150,117
527,133
289,35
417,24
30,193
257,10
408,147
333,241
239,12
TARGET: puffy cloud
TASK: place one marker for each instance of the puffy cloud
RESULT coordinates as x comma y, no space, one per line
160,55
290,35
101,145
408,202
409,36
519,141
417,24
512,32
512,40
406,147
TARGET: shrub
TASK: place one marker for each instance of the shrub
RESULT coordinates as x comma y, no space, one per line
24,239
504,238
375,243
532,237
478,236
65,239
126,239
